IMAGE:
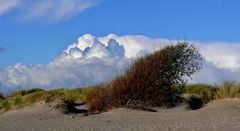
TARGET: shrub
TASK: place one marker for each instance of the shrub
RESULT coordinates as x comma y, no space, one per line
5,104
1,96
205,91
227,90
17,101
97,99
195,102
151,80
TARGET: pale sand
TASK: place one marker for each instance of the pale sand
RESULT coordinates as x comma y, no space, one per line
220,115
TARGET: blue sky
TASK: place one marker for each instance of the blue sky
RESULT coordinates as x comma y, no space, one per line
38,41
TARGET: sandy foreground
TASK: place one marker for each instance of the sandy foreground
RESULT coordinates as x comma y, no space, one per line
219,115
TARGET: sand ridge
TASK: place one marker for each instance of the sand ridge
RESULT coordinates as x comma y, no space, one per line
218,115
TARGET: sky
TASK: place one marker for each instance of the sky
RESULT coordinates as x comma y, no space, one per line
37,34
201,20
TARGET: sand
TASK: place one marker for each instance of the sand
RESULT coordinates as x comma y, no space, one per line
219,115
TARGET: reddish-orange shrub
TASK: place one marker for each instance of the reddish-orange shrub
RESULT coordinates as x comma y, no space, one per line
150,81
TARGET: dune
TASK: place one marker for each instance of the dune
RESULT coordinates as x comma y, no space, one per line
217,115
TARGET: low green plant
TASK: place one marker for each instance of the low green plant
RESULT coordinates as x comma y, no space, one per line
207,92
23,97
2,96
25,92
195,102
34,90
5,104
34,97
85,91
77,94
18,93
56,94
18,101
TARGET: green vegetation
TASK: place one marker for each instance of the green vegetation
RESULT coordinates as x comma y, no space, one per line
206,92
78,94
25,92
24,97
227,90
5,105
195,102
18,101
1,96
150,81
36,96
209,92
199,94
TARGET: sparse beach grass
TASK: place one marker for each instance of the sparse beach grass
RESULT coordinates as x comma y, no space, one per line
227,90
24,97
206,92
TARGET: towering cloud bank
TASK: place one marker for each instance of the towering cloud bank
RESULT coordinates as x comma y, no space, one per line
92,60
222,62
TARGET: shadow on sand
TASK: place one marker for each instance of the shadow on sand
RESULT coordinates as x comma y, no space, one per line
74,108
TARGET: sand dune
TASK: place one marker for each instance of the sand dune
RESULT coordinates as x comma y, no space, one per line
218,115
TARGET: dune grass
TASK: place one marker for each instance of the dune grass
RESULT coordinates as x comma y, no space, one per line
199,94
24,97
209,92
25,92
206,92
77,94
227,90
5,105
18,101
35,96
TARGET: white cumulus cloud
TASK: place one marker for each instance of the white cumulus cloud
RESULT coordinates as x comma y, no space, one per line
48,10
92,60
222,55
